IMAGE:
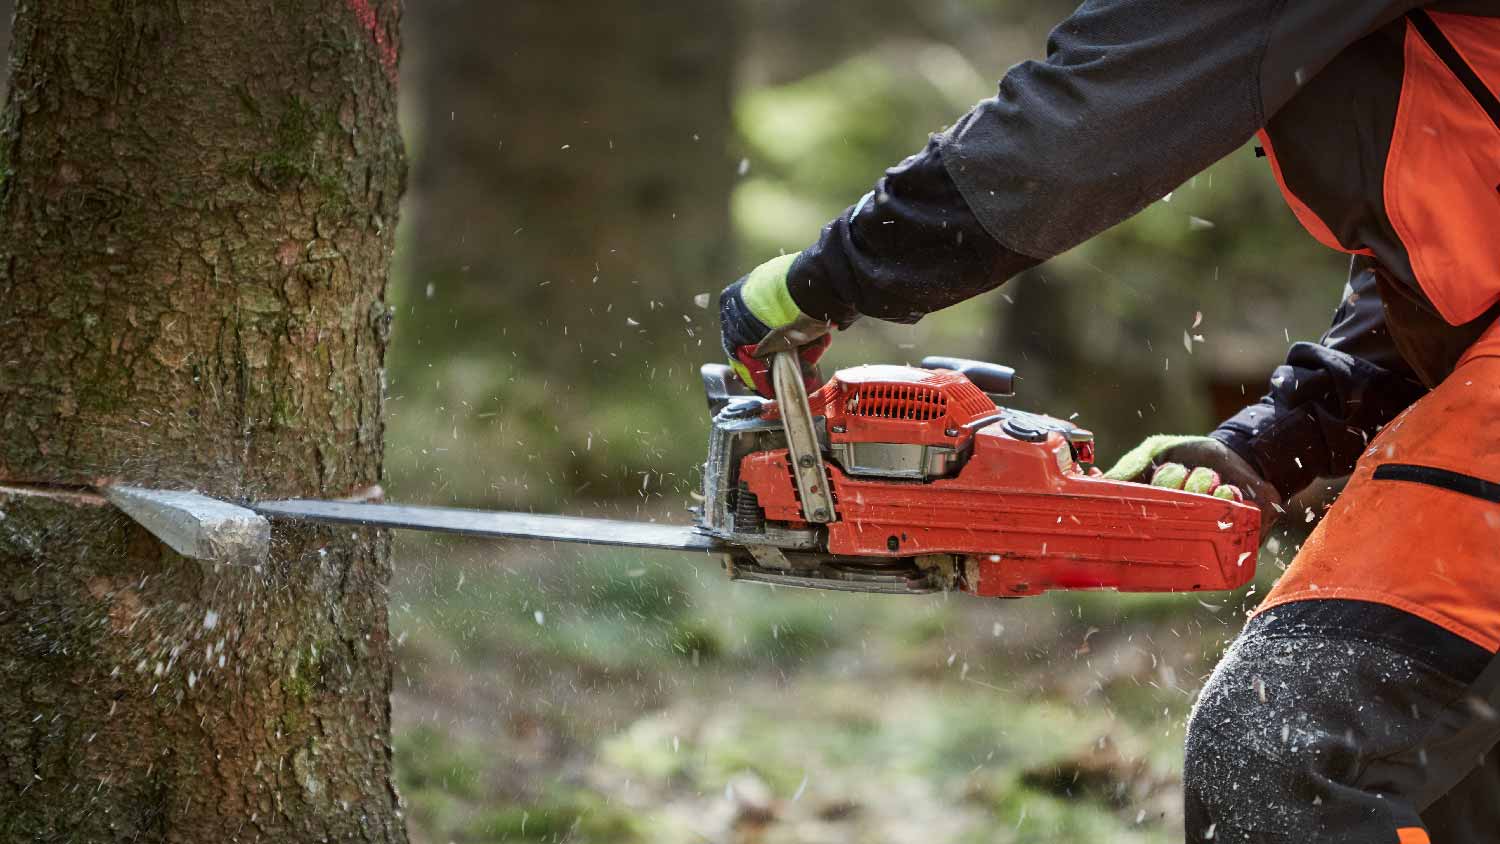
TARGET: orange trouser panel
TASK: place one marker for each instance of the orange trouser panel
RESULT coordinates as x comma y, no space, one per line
1412,835
1427,550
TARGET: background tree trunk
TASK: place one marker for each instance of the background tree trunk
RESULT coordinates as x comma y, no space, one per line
195,225
569,198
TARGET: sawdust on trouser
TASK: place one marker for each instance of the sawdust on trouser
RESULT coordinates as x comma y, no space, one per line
1343,721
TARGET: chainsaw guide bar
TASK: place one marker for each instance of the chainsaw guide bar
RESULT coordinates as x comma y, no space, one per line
497,524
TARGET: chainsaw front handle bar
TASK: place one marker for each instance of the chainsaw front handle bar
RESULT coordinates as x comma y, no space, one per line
801,438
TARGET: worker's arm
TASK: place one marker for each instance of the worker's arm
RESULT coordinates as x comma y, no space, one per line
1328,399
1135,97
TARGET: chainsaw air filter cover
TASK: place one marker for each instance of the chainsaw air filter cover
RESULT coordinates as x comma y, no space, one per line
899,421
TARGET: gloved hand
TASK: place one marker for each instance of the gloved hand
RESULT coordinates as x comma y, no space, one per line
758,318
1203,465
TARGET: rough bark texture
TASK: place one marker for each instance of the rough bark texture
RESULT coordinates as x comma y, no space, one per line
195,223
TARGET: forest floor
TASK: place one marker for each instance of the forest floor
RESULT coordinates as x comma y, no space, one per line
546,694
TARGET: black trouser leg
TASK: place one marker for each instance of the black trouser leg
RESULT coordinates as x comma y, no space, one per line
1470,812
1343,721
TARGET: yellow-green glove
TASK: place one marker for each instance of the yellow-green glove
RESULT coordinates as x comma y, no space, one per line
757,318
1202,465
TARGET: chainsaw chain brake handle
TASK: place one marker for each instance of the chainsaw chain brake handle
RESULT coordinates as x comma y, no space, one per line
788,379
760,368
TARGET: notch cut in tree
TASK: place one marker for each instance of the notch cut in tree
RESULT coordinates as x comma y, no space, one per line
196,221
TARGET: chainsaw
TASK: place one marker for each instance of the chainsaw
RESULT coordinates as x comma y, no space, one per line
898,479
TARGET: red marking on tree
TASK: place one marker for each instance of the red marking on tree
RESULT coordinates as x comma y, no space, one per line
367,19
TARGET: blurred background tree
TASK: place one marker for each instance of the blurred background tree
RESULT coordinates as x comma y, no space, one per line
569,198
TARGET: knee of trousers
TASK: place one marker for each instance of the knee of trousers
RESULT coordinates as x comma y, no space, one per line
1281,729
1250,764
1308,723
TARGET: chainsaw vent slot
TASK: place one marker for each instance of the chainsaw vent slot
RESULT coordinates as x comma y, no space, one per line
969,401
910,402
957,400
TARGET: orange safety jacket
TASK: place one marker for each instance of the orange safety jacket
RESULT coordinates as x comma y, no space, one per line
1393,152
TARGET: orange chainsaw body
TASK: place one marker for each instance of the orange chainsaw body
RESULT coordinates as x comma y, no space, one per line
1011,496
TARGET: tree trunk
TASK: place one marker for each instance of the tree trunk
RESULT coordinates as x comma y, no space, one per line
195,224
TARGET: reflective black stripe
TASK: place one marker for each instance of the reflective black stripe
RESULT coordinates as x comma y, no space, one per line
1455,481
1428,29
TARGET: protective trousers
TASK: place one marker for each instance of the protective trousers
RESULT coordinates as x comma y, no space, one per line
1360,702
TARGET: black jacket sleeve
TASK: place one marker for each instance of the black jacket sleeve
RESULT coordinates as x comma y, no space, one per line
910,247
1134,97
1329,398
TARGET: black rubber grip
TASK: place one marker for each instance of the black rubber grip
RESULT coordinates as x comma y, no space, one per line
989,377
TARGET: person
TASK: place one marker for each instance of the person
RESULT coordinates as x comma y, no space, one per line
1359,704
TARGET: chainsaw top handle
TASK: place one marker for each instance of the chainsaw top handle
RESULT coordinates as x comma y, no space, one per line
788,378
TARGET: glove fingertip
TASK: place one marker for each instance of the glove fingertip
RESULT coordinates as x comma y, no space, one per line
743,373
1202,480
1170,476
1229,492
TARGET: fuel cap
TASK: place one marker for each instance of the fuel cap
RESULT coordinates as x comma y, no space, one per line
1022,428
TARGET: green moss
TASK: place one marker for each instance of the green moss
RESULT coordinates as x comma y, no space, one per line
570,816
304,673
291,723
296,153
696,640
429,761
298,687
293,151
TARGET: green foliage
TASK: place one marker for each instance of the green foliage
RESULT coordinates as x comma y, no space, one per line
800,631
440,779
818,144
429,760
1027,815
571,817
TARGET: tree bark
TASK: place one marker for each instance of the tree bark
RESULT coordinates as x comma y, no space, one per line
195,224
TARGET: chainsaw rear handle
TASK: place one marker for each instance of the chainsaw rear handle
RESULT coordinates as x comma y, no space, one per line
992,378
